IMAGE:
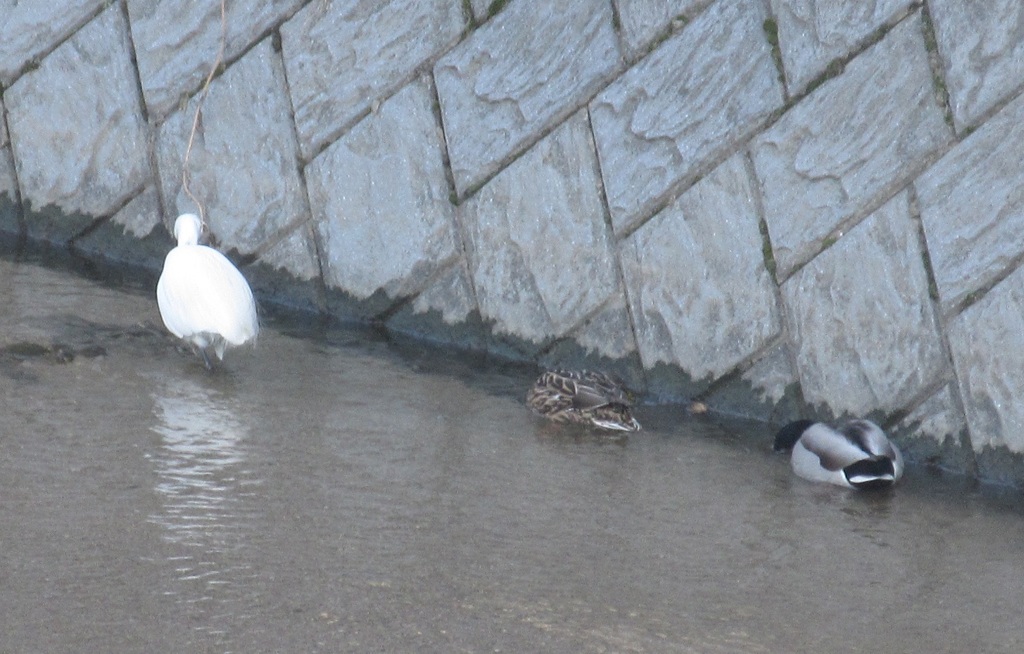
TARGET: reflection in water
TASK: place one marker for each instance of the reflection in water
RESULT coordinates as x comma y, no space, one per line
203,488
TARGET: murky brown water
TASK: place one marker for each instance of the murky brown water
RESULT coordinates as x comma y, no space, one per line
337,494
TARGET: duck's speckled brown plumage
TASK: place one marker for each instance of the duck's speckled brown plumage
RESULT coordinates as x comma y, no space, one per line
585,397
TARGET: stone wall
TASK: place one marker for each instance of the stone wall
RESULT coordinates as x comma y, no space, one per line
779,207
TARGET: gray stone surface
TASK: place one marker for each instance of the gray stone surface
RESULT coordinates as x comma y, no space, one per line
140,216
519,74
765,390
295,254
860,319
345,57
642,21
695,274
30,28
608,333
987,344
8,181
688,102
381,201
481,9
982,49
934,432
535,225
80,141
812,33
450,294
176,42
972,206
854,139
243,163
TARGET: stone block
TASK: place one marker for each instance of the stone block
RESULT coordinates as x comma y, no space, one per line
540,251
30,28
381,200
972,206
76,127
935,433
692,100
132,235
288,272
343,58
852,142
987,344
701,296
518,75
860,318
177,41
243,163
981,45
444,312
643,21
813,33
767,390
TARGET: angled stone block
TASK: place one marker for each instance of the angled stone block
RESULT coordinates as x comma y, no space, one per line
860,318
243,164
444,311
972,206
345,57
381,201
519,74
935,433
987,344
982,49
131,235
288,271
540,252
643,21
695,274
767,390
854,140
691,100
76,126
812,33
30,28
176,42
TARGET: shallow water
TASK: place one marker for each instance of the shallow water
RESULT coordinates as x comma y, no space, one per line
327,491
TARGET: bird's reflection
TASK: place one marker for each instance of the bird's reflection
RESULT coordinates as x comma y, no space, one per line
203,489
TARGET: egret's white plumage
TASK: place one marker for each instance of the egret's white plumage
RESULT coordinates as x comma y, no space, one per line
857,455
203,299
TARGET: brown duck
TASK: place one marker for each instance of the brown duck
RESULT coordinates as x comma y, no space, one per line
583,396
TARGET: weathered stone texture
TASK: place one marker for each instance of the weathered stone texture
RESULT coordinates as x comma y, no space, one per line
643,21
987,344
243,164
690,101
177,41
812,33
29,28
860,318
345,57
295,254
856,138
80,141
695,273
140,216
381,201
536,225
608,332
972,206
451,295
982,49
517,75
8,181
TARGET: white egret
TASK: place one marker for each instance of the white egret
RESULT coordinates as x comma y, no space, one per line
857,455
203,299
